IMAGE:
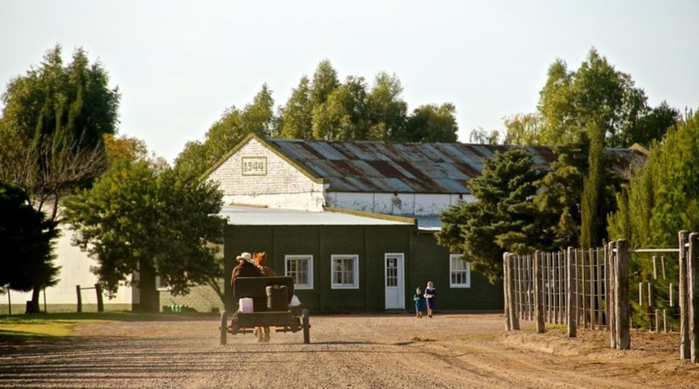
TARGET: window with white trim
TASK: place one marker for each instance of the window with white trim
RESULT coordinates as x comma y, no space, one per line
345,271
300,268
160,285
459,272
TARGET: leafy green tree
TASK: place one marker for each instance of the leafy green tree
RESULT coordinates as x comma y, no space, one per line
481,136
194,157
652,126
504,218
524,129
431,123
387,111
234,125
595,95
343,115
145,217
258,116
325,81
560,196
54,98
51,129
297,115
121,149
25,237
663,197
599,105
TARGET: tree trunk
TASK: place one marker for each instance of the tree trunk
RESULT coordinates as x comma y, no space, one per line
149,295
33,305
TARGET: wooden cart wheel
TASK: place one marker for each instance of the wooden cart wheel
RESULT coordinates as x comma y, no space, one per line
224,327
306,327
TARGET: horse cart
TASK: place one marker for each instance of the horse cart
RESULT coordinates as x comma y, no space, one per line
271,298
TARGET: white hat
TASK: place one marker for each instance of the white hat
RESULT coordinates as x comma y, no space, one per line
246,256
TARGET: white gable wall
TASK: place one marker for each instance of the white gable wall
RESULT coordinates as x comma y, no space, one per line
255,175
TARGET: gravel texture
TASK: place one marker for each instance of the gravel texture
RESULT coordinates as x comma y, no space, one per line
353,351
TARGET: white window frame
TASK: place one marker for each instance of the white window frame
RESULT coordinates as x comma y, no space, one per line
355,271
307,257
159,286
452,258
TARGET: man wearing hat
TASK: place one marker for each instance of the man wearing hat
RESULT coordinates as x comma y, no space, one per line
246,267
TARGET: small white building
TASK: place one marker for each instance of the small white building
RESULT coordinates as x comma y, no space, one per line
74,270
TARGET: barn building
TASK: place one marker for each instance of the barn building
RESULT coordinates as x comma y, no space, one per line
354,222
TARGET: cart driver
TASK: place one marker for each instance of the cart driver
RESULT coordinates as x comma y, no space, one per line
246,267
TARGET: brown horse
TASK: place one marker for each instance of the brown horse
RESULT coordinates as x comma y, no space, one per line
262,333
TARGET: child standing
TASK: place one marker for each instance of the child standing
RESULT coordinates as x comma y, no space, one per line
419,303
430,294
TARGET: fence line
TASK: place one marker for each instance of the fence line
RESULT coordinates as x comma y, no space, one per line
98,291
589,288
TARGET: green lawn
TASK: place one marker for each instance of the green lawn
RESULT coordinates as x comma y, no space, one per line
62,324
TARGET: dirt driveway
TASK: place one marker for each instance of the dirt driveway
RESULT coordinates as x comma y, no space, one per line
356,351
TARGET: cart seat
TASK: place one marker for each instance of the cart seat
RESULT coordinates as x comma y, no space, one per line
255,288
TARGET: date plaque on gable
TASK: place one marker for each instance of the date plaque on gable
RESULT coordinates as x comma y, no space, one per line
254,166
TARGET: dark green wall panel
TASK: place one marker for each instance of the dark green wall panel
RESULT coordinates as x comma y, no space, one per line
424,261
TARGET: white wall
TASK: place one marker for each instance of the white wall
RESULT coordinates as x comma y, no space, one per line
74,270
267,180
399,204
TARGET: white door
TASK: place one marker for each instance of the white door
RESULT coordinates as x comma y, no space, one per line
393,276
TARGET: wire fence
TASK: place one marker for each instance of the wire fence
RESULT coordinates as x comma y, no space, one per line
591,288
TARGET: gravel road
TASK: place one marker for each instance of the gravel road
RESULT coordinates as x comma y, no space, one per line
354,351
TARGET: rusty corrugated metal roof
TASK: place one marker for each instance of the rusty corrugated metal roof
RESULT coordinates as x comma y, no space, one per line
387,167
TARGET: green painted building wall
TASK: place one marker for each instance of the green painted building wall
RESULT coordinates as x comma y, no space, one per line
424,260
431,263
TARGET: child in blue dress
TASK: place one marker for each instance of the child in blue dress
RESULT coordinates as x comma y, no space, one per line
430,294
419,303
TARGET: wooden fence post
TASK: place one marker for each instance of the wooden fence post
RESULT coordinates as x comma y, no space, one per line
80,298
693,273
530,309
605,283
100,301
621,296
520,287
505,291
662,265
598,270
611,299
655,267
570,297
513,308
538,294
670,297
684,314
591,280
583,281
547,286
562,286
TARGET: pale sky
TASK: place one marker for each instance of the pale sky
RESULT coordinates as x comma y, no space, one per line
180,64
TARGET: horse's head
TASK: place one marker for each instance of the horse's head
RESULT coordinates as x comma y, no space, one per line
259,258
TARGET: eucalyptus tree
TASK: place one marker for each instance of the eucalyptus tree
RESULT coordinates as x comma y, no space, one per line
51,129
